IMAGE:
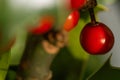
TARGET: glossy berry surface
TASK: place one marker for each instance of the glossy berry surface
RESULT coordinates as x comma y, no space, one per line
72,20
96,38
77,4
45,24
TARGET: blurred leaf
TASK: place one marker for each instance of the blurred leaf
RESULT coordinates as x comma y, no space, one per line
17,49
3,74
106,1
106,72
94,63
4,60
100,7
74,42
11,75
4,64
65,66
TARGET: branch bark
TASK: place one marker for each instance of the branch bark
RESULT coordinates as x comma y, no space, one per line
38,56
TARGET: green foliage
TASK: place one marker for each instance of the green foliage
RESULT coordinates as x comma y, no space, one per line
18,47
69,63
65,66
106,72
74,42
4,64
108,2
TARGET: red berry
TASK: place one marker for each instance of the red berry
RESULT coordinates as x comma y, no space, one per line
46,24
96,38
71,20
77,4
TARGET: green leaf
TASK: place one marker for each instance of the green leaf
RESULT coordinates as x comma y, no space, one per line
17,49
106,72
4,64
74,42
11,75
107,1
100,7
65,66
2,74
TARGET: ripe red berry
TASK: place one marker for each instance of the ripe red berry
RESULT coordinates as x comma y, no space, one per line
46,24
71,20
77,4
96,38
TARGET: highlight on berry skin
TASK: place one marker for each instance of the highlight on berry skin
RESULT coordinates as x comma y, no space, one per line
72,20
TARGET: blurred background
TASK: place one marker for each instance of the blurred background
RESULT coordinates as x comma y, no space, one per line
71,62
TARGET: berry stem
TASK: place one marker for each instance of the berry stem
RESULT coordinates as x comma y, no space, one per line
92,15
90,4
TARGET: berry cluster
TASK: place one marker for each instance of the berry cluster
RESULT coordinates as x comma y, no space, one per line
46,23
96,38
